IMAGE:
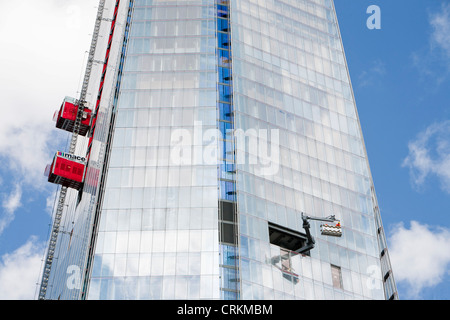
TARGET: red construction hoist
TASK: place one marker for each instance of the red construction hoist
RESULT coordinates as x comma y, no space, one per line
66,117
67,170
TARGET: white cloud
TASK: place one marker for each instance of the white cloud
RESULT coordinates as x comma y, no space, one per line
10,204
429,155
420,256
433,62
440,21
13,201
370,77
20,271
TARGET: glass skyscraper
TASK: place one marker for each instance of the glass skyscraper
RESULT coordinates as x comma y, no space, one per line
216,125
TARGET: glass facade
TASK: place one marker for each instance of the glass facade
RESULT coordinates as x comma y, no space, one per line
222,120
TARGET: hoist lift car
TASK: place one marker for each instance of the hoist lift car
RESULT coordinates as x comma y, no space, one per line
67,114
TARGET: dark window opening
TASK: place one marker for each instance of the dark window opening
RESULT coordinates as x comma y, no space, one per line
228,233
228,211
227,222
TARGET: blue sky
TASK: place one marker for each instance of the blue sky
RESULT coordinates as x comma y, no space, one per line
401,79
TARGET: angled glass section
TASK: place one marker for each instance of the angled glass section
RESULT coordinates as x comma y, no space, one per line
158,228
